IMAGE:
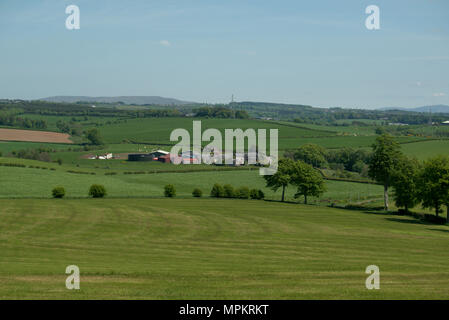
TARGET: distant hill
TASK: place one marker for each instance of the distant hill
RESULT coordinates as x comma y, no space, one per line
138,100
440,108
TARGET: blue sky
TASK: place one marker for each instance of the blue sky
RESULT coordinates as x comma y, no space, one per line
306,52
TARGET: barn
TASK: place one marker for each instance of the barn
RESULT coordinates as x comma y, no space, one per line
152,156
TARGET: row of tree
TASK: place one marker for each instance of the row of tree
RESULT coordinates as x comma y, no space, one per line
8,117
220,112
414,182
350,159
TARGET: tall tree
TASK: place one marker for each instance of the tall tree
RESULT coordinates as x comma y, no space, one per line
386,153
405,183
308,180
434,184
282,177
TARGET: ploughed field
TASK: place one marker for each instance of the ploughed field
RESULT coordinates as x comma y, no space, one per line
214,249
33,136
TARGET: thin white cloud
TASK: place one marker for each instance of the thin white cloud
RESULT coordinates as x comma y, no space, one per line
439,94
165,43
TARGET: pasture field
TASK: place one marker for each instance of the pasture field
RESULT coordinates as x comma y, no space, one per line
27,183
9,146
367,130
426,149
215,249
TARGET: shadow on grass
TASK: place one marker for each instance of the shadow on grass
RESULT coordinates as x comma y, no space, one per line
279,201
445,231
410,221
367,210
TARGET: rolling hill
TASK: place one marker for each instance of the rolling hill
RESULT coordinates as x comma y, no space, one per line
440,108
139,100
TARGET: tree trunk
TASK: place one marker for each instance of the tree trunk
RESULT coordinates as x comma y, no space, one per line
447,213
283,193
437,209
406,208
305,199
386,197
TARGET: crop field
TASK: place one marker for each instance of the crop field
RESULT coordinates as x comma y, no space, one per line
359,130
214,249
157,130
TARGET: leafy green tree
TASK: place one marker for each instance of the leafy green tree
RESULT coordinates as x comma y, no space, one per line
241,114
169,191
348,157
94,137
434,184
97,191
197,193
386,153
242,193
282,177
58,192
253,194
228,191
312,154
404,181
309,181
217,191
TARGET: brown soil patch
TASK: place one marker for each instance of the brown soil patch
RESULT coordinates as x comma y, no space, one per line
34,136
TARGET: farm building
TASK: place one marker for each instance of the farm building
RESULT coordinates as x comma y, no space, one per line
446,123
158,155
105,156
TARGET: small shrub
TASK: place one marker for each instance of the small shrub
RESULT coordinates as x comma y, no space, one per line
197,193
256,194
169,191
253,194
58,192
59,161
97,191
242,193
217,191
228,191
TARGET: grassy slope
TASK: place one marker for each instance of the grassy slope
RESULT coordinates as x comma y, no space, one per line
219,249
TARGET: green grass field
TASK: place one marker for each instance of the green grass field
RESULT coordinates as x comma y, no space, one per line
134,244
427,149
215,249
157,130
27,183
